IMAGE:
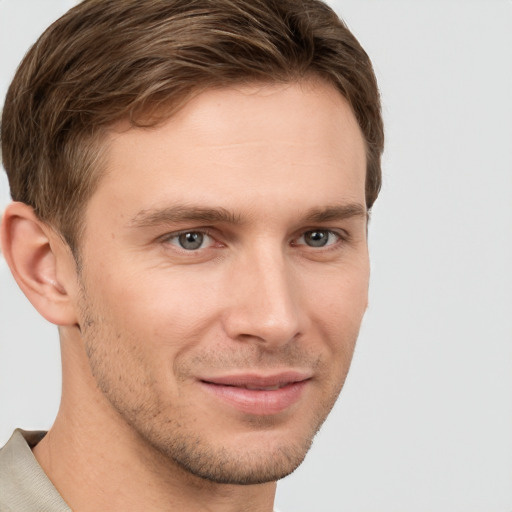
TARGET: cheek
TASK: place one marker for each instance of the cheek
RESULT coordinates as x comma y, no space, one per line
164,311
341,294
339,310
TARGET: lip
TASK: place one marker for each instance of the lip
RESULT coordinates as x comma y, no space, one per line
258,394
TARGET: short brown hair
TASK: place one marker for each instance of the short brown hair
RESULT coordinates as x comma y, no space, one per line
109,60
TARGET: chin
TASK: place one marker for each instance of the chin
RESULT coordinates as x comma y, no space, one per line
259,466
252,457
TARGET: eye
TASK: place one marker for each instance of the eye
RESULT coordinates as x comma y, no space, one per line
318,238
191,240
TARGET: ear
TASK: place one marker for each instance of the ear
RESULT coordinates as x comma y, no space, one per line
41,263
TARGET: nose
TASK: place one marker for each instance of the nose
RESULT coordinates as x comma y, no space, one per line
264,303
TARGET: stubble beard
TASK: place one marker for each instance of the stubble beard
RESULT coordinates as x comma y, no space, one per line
172,439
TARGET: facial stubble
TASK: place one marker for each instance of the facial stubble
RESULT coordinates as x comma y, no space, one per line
172,438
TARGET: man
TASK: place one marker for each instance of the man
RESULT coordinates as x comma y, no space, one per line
191,186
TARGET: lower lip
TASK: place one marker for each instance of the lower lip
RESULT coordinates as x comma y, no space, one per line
258,402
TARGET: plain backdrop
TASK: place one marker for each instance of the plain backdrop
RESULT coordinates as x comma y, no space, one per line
424,423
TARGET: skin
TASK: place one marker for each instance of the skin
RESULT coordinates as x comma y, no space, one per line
262,175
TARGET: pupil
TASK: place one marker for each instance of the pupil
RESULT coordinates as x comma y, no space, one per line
316,238
191,241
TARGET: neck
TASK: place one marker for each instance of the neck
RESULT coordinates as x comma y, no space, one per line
97,462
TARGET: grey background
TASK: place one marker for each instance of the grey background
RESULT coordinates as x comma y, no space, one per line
424,423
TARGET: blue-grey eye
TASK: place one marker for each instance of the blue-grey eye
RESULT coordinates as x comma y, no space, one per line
191,241
316,238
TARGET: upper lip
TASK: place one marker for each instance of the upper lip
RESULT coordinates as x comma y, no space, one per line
258,380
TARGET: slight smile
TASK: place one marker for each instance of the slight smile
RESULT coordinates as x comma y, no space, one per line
259,394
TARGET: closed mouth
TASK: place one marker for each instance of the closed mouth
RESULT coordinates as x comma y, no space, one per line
258,394
259,382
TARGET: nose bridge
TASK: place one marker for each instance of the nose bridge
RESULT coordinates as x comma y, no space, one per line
264,303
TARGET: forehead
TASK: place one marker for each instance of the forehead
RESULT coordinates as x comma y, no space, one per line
232,147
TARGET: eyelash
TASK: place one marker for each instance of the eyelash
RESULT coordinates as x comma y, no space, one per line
341,237
175,236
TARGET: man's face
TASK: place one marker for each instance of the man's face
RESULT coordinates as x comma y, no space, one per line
225,277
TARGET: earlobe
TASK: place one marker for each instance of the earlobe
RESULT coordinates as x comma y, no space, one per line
40,262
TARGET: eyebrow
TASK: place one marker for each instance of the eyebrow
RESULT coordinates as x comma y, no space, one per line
184,213
336,212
